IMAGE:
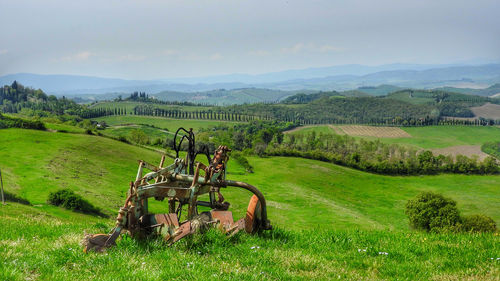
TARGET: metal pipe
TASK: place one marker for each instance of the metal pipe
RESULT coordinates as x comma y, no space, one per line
254,190
201,180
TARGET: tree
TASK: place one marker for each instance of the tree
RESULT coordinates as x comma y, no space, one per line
432,212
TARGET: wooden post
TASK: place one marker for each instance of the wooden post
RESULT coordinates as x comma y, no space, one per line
1,186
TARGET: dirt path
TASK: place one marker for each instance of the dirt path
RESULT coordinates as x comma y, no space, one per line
466,150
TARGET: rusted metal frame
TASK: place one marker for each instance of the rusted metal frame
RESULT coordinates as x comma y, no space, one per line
162,190
158,177
158,172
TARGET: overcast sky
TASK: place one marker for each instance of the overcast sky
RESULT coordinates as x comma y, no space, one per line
147,39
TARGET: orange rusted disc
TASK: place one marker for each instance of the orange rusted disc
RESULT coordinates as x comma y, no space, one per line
95,242
253,217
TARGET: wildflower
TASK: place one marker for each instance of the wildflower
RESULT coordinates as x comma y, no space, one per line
255,247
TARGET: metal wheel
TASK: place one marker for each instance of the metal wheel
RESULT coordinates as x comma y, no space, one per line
253,218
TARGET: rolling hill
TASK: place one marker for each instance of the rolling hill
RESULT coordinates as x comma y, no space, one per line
325,79
330,222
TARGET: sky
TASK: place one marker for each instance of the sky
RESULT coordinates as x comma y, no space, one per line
149,39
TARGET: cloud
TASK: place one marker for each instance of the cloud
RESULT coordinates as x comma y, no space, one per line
215,56
3,52
81,56
310,47
259,53
169,52
131,57
294,49
330,48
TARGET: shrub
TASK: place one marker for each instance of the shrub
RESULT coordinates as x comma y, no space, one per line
68,199
492,148
138,136
478,223
260,149
242,160
123,139
432,212
14,122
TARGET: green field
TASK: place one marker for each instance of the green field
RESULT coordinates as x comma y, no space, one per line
431,136
126,131
417,97
323,214
102,168
161,122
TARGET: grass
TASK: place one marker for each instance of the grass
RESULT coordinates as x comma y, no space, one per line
322,214
433,136
41,162
36,245
417,97
126,131
161,122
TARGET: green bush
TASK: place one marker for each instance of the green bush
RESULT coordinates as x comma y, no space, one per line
68,199
123,139
492,148
242,160
14,122
478,223
433,212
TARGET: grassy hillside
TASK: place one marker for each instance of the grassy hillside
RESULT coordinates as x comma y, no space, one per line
492,90
161,122
380,90
36,245
325,216
297,189
223,97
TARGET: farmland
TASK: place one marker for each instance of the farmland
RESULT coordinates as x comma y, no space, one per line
426,137
369,131
487,110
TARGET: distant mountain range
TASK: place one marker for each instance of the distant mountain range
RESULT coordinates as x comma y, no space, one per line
374,80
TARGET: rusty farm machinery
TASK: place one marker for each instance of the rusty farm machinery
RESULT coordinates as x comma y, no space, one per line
181,183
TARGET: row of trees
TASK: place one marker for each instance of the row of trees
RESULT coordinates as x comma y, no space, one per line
377,157
197,114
